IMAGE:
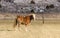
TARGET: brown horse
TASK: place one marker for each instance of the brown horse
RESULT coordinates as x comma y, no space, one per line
24,20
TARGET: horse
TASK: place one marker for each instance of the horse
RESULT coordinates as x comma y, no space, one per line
24,20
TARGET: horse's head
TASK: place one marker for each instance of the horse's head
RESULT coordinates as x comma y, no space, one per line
32,17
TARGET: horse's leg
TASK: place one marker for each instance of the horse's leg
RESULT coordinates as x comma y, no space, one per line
15,24
26,27
19,26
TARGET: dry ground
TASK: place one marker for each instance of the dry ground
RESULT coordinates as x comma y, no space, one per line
50,28
36,30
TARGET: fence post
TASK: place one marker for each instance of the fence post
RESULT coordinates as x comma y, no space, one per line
42,17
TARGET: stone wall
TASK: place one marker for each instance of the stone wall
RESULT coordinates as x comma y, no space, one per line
26,1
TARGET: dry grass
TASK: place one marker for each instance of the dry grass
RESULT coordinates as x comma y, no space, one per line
36,30
50,28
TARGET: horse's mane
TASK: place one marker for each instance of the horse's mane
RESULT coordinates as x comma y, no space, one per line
34,15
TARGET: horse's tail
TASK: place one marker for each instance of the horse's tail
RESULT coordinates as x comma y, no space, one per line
15,24
16,21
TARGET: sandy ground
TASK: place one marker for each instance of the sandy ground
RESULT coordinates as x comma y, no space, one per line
50,28
35,30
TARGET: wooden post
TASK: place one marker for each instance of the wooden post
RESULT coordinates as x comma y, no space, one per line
42,17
